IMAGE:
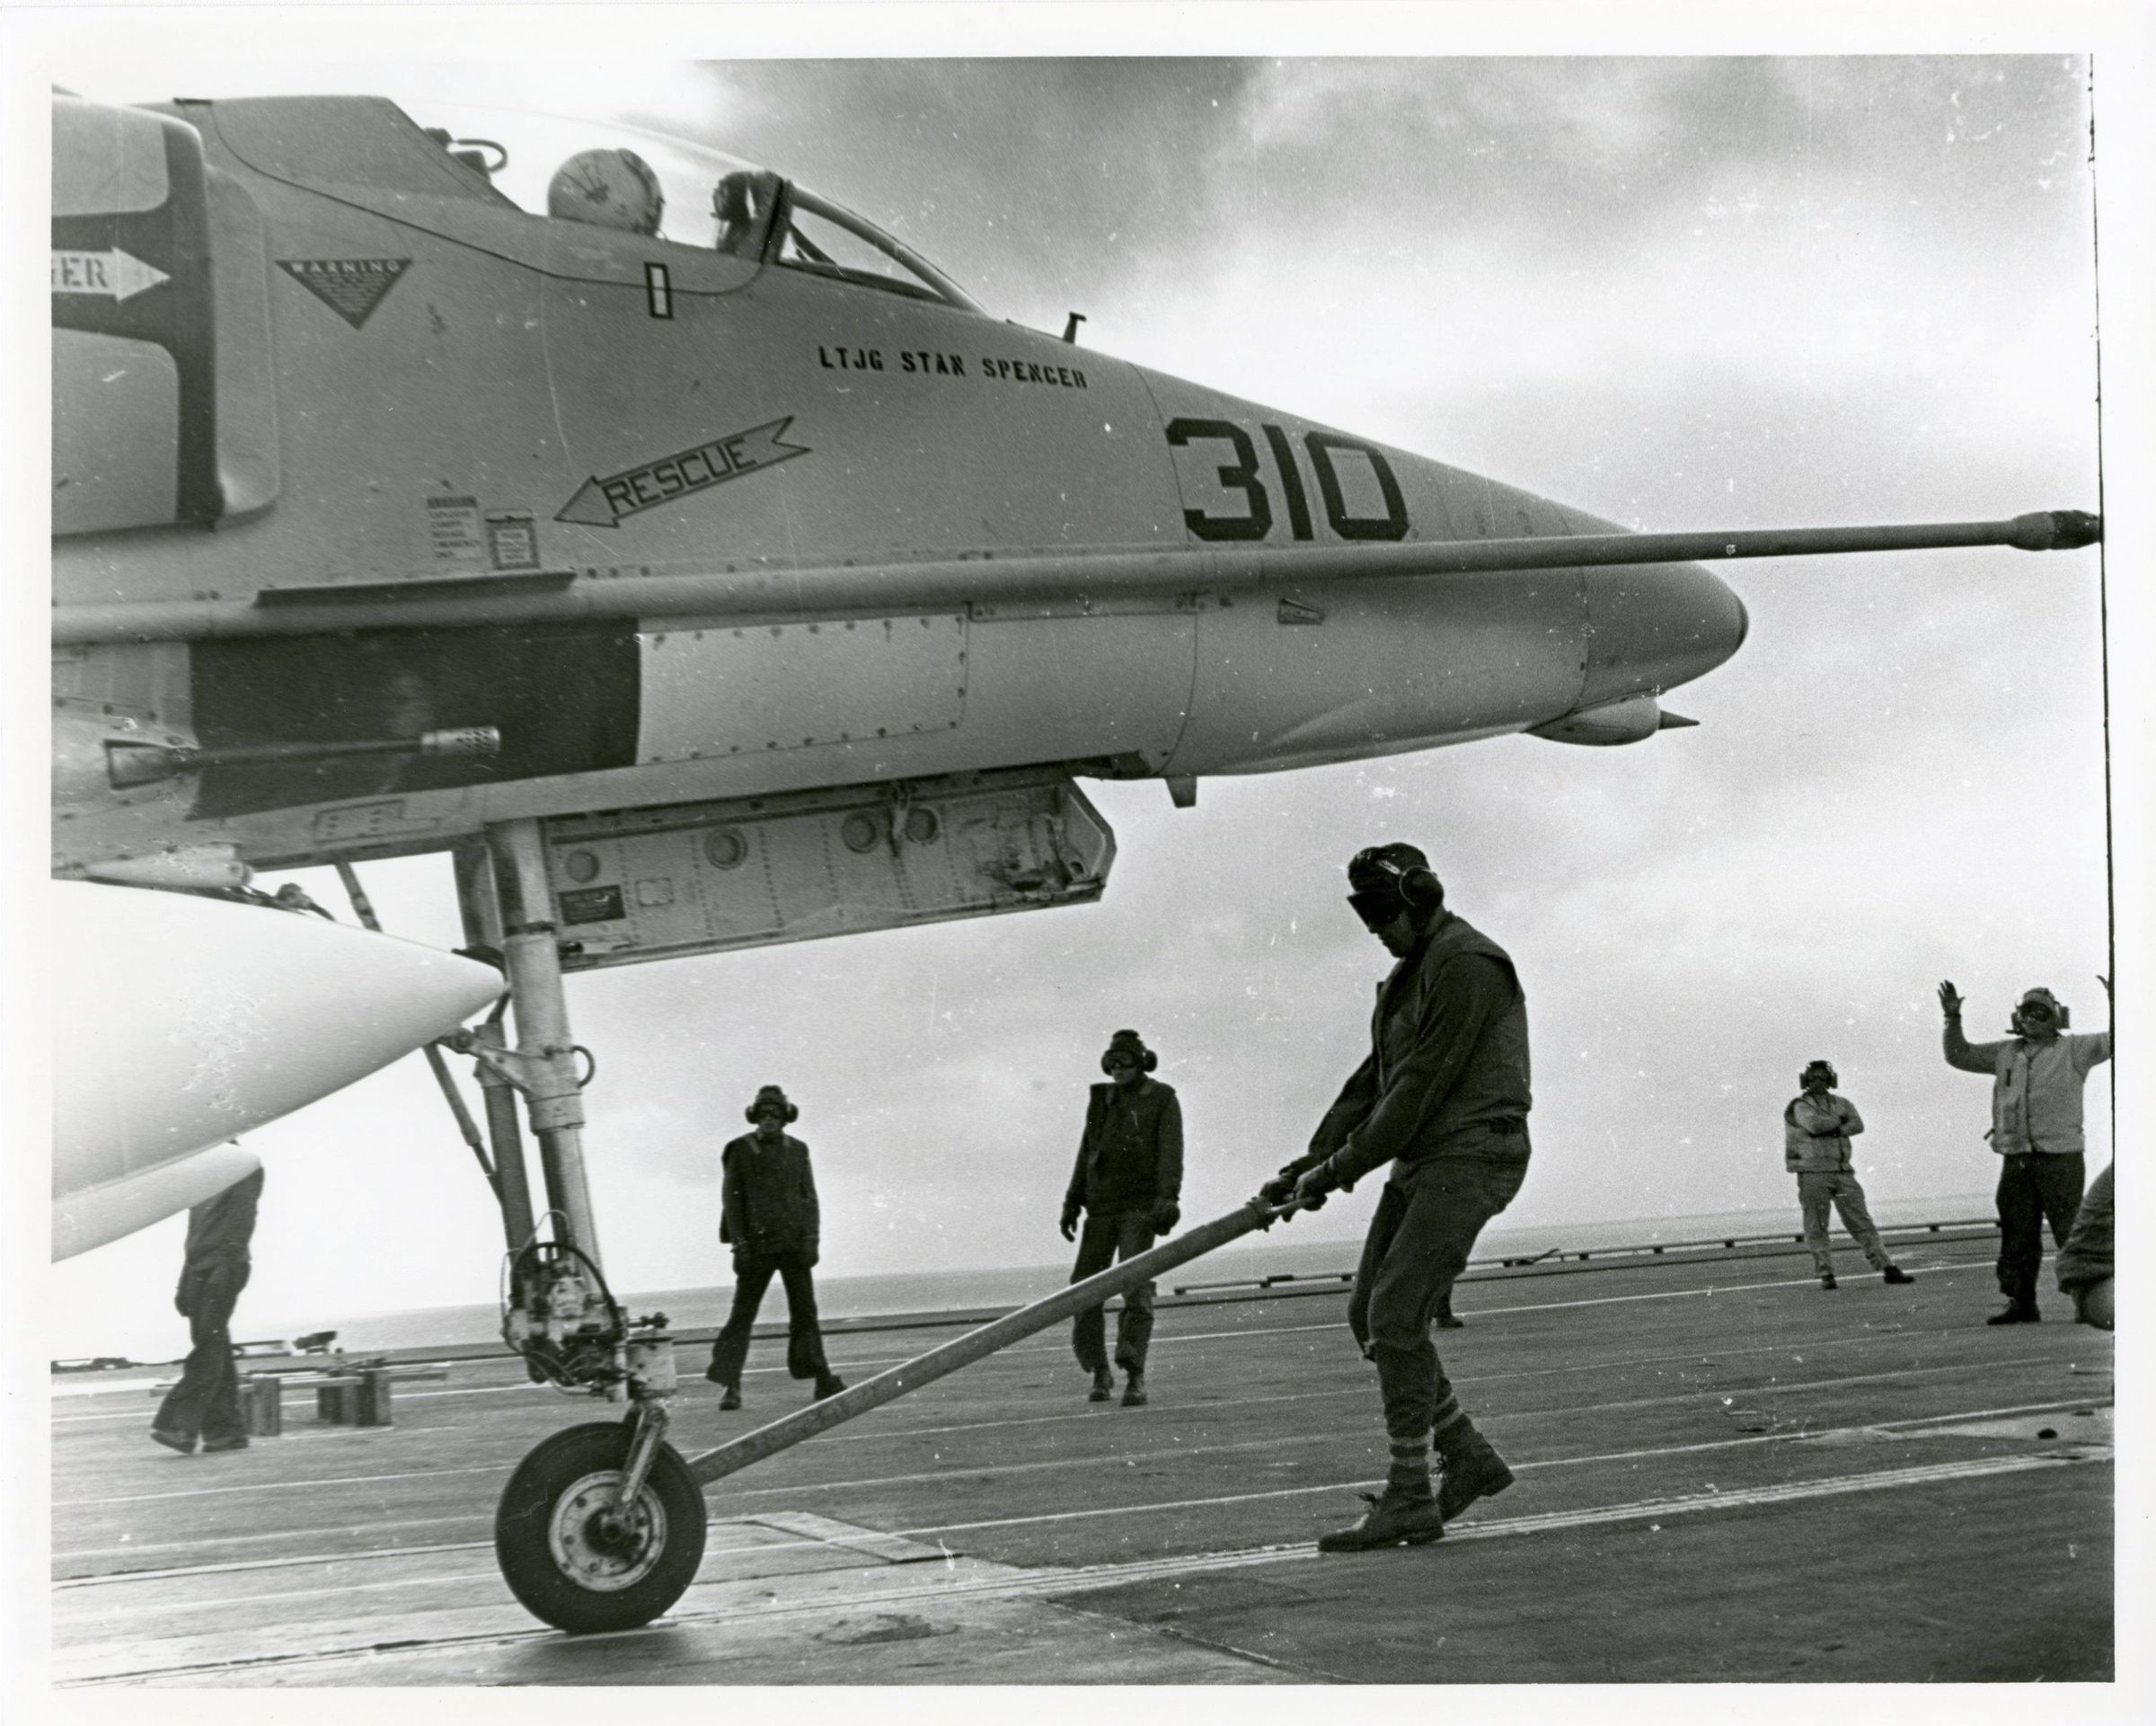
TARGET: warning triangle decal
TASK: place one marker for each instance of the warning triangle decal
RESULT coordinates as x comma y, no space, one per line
350,286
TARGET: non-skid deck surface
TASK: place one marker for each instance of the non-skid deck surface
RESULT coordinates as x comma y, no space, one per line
1723,1473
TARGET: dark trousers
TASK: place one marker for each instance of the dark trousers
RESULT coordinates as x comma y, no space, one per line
2034,1189
1427,1219
1117,1235
206,1401
752,1272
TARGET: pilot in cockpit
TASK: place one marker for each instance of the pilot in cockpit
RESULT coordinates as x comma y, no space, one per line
742,202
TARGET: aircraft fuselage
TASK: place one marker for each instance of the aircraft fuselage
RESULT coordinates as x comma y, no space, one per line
406,390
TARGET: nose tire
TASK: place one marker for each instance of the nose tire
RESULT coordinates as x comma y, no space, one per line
566,1554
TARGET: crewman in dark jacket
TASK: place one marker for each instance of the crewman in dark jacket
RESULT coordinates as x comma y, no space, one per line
1443,1097
768,1214
2085,1264
205,1405
1128,1184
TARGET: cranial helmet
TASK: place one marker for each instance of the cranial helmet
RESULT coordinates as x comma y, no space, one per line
1128,1043
769,1094
611,188
1824,1070
1386,879
2039,1009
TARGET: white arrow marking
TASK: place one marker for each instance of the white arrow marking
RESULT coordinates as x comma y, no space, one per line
115,274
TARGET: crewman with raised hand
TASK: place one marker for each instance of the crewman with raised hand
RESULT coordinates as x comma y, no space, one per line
2036,1074
1127,1184
768,1213
1816,1128
1443,1097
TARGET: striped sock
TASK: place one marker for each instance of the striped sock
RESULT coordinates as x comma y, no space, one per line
1409,1475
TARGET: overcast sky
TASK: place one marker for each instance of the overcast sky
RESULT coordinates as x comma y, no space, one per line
1679,293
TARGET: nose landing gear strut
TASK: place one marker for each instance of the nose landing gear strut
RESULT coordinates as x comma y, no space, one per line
602,1526
586,1544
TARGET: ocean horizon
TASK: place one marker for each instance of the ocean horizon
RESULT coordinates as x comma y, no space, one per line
873,1294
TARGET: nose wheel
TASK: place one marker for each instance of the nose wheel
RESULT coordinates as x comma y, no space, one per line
579,1558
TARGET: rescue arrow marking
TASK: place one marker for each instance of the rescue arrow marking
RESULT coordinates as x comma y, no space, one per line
113,275
608,502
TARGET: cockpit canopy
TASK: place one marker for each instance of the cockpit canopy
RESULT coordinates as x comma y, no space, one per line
666,188
598,174
756,215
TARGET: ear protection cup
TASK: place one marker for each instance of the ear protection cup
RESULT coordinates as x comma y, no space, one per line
2059,1018
771,1093
1420,888
1128,1042
1827,1067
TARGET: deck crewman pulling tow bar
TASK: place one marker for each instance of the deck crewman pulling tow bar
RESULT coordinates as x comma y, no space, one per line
1443,1098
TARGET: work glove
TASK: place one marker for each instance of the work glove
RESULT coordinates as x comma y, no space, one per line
1069,1223
1281,1188
1311,1189
1166,1215
1950,1001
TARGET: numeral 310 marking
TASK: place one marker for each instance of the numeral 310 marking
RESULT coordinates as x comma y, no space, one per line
1325,450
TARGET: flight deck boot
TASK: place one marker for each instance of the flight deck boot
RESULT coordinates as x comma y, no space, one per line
1400,1516
1104,1386
1469,1467
1405,1514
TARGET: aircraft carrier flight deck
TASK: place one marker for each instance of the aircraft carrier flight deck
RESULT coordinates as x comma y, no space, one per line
1724,1474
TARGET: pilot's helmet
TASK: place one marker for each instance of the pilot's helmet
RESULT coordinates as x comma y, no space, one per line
615,189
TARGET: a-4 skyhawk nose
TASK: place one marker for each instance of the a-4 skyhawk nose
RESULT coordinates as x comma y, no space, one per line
1652,626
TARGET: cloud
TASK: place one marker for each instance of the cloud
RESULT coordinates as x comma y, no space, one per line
1682,293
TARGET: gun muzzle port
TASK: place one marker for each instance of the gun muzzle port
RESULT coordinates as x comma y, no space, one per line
2056,530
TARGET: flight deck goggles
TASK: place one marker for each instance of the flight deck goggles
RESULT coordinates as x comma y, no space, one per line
1379,907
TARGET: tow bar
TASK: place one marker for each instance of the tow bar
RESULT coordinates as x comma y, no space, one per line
602,1526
